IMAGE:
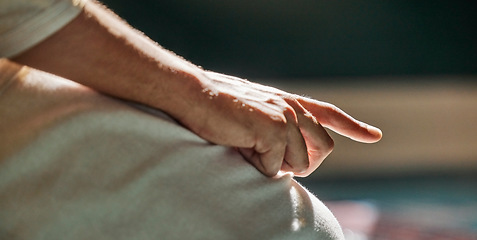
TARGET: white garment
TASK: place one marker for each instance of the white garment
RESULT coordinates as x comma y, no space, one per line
75,164
24,23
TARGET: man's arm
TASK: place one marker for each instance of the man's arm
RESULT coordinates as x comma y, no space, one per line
272,129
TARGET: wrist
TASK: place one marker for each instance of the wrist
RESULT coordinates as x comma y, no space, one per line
175,91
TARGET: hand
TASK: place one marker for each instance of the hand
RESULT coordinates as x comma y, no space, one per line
272,129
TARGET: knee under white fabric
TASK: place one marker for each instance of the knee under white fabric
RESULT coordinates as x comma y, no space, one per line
75,164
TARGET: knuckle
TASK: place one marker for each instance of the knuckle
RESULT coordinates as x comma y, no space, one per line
323,150
329,106
279,122
329,145
332,107
262,146
274,143
277,126
333,110
289,111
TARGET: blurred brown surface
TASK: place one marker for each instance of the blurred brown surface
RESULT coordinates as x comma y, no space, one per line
428,126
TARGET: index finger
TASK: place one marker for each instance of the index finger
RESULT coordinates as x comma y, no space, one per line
340,122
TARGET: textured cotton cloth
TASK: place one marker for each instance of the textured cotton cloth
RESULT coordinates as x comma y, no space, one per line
24,23
75,164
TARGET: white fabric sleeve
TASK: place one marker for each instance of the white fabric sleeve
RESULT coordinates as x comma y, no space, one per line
24,23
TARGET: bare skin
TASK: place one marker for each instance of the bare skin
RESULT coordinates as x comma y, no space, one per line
272,129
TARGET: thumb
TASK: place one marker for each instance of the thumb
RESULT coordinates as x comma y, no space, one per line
340,122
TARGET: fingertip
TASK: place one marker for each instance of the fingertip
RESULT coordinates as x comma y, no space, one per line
270,171
286,167
259,161
271,163
370,135
303,174
364,133
375,132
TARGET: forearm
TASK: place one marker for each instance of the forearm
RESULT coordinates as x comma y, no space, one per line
99,50
272,129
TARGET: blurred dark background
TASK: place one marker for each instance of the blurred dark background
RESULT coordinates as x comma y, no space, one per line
313,38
